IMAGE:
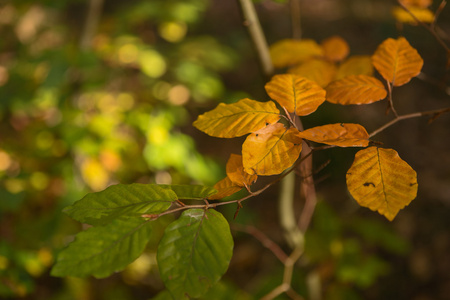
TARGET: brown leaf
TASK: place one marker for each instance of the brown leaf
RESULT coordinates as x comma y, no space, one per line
342,135
224,188
236,173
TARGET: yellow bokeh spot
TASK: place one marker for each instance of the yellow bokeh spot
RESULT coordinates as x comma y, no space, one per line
5,161
125,101
179,95
14,185
107,103
336,247
45,257
161,90
44,140
34,267
172,31
4,75
4,262
152,63
39,181
139,268
128,53
158,135
93,173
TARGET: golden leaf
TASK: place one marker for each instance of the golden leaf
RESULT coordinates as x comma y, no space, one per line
224,188
318,70
297,94
335,48
236,173
271,150
397,61
380,180
342,135
237,119
355,89
289,52
355,65
416,3
422,14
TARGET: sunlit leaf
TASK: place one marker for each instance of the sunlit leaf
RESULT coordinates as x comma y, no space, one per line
335,48
355,89
194,253
416,3
422,14
102,250
197,192
289,52
380,180
397,61
318,70
237,119
355,65
271,150
236,173
342,135
121,200
295,93
225,188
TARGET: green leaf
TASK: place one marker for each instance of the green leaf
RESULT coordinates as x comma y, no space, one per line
102,250
194,192
121,200
194,252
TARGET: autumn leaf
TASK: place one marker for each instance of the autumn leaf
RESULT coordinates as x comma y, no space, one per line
297,94
416,3
335,48
355,89
355,65
237,119
271,150
318,70
289,52
236,173
422,14
380,180
397,61
225,188
342,135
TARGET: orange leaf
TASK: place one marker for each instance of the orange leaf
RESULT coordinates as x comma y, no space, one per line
295,93
355,65
237,119
335,48
271,150
422,14
380,180
355,89
224,188
236,173
289,52
397,61
342,135
320,71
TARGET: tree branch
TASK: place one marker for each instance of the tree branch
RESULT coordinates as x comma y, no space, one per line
91,24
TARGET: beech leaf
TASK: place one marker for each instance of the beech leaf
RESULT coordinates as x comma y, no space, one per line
271,150
397,61
342,135
289,52
422,14
194,252
355,65
335,48
225,188
318,70
236,173
356,89
237,119
297,94
380,180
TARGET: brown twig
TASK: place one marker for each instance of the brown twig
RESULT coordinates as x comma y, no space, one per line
391,102
296,19
91,24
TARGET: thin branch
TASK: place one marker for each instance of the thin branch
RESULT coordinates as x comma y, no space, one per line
251,21
90,27
296,19
391,102
438,13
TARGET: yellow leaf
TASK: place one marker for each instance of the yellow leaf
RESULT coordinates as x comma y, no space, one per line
380,180
422,14
416,3
224,188
342,135
335,48
236,173
271,150
397,61
355,65
289,52
355,89
237,119
297,94
320,71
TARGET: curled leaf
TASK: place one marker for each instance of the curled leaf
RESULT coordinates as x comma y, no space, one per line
297,94
380,180
342,135
397,61
236,173
355,89
225,188
271,150
237,119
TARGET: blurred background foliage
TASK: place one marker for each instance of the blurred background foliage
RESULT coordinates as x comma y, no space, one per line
94,93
